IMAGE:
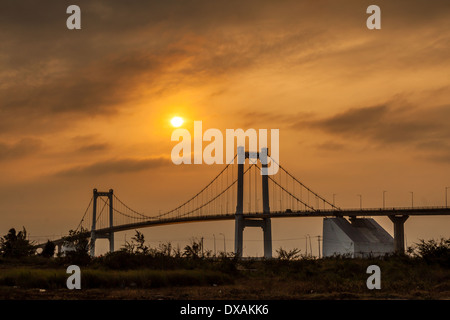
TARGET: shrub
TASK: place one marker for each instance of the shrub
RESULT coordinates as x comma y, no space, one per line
433,251
16,245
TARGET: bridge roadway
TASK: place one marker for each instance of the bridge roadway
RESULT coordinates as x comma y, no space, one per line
419,211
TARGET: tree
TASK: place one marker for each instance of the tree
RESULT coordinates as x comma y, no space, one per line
136,245
79,243
139,239
193,250
435,251
78,240
288,255
128,247
16,244
165,249
49,250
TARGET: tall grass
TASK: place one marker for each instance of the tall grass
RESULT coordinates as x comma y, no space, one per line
33,278
97,278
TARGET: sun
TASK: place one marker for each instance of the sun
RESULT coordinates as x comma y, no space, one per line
176,122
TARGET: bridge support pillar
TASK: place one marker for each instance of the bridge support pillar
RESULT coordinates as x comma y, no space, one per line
94,222
239,218
238,235
267,230
111,224
240,224
399,232
240,221
94,235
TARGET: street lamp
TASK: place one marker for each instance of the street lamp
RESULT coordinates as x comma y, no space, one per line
224,246
384,202
412,199
446,196
310,246
214,236
360,201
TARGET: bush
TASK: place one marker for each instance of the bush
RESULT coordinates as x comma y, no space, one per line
49,250
16,245
433,251
227,265
120,260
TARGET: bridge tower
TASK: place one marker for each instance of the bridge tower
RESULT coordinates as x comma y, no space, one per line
240,221
109,235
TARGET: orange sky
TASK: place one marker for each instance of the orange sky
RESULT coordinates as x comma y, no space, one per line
359,111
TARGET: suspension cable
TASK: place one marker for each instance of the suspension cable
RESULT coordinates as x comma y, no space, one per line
273,180
317,195
217,196
85,212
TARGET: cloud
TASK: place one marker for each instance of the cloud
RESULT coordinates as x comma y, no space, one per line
441,157
392,124
20,149
385,124
267,119
360,121
116,166
161,46
423,130
93,147
94,89
331,146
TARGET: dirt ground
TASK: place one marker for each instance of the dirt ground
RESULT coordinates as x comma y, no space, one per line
244,290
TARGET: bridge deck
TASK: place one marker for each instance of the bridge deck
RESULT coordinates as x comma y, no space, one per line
423,211
428,211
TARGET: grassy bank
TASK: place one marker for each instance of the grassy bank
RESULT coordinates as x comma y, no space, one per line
140,272
26,278
331,278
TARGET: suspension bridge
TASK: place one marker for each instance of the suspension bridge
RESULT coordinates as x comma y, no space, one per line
239,192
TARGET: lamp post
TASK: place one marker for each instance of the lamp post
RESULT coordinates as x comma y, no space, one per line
306,245
318,243
310,245
214,236
360,201
384,199
224,246
446,196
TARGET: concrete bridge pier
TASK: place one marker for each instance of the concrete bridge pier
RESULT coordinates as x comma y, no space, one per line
267,230
264,224
240,221
109,235
238,235
399,232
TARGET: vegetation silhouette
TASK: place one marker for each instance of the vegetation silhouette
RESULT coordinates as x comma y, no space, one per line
49,250
423,271
77,246
15,244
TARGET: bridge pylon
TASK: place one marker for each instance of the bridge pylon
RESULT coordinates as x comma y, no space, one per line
240,220
109,235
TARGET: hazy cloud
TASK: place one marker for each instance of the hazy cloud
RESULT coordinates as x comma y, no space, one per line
361,121
331,146
116,166
259,119
94,147
426,130
22,148
124,47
